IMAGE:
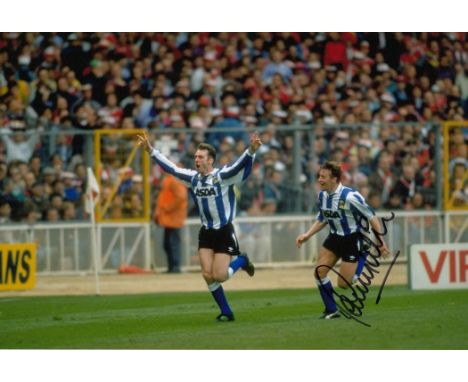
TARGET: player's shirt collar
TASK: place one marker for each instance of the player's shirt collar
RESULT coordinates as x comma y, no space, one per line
337,191
212,172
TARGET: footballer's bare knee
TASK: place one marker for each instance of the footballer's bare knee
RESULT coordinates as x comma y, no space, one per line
344,283
208,276
321,271
220,276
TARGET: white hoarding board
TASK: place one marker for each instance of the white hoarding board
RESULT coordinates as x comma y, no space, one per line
439,266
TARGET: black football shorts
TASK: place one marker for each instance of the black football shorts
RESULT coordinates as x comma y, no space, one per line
222,240
346,247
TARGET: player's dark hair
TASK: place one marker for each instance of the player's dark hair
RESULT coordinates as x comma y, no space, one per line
335,169
211,150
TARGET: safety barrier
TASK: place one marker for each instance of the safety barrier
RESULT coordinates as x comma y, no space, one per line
269,240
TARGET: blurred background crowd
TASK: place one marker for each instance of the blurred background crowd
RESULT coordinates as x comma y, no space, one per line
385,91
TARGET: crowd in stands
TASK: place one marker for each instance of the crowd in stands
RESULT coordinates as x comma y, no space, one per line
385,90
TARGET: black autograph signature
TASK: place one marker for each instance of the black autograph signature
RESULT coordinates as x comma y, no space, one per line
352,307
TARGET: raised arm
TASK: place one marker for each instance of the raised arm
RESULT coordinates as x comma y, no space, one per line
144,142
240,169
255,143
185,175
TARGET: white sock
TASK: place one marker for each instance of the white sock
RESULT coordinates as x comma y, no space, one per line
213,286
322,281
230,272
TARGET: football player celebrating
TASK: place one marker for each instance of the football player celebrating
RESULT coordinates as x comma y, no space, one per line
348,216
213,192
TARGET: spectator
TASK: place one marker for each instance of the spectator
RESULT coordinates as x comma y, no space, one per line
374,200
17,181
111,114
382,180
5,211
251,193
19,144
196,79
3,174
31,214
52,215
461,80
459,184
170,213
335,51
352,176
116,209
405,187
29,179
272,191
38,197
35,166
56,201
49,175
133,206
394,202
276,65
86,101
15,203
68,211
70,190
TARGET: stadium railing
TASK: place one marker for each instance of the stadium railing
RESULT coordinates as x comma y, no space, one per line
269,240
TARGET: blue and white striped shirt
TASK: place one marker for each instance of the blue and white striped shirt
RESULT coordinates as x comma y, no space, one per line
213,193
343,210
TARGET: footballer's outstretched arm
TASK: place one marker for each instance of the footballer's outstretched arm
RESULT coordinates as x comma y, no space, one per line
185,175
143,141
315,227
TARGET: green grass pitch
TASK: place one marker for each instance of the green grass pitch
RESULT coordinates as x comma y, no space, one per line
275,319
